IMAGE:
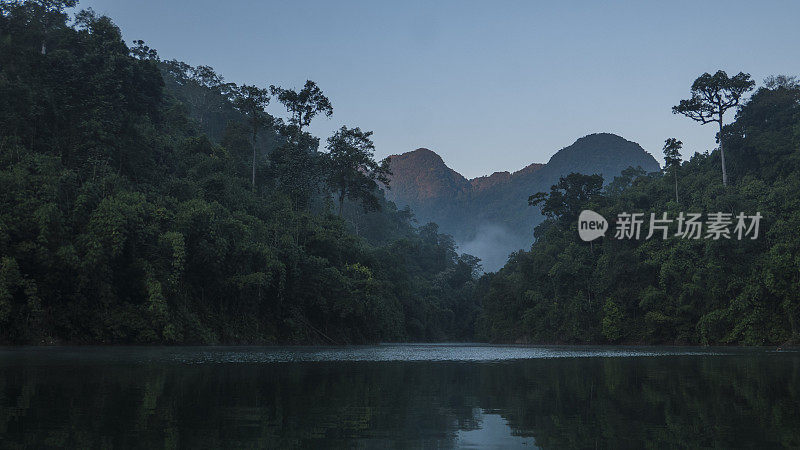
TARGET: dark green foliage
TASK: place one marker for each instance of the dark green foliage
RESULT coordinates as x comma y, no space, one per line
140,202
712,96
677,290
672,152
568,196
352,169
303,105
672,159
144,201
251,101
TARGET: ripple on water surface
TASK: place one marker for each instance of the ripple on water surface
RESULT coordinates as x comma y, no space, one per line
425,352
375,353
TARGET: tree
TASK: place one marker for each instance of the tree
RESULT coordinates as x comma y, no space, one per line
611,325
353,171
781,81
303,105
298,167
142,51
124,221
672,159
251,101
772,148
569,196
50,14
209,93
712,95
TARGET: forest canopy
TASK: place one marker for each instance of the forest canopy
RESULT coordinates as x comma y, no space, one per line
145,200
667,291
149,201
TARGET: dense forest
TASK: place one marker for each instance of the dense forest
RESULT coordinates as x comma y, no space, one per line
148,201
145,200
675,290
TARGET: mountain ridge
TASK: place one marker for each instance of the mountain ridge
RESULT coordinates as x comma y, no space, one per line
496,204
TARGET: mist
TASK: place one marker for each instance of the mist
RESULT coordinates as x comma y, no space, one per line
492,244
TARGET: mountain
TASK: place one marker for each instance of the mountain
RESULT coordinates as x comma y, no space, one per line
489,216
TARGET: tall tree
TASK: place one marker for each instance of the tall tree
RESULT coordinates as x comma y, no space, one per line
672,159
569,196
251,101
353,171
140,50
712,95
211,95
781,81
303,105
50,14
298,167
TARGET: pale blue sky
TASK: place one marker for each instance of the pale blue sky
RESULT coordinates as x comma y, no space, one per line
490,86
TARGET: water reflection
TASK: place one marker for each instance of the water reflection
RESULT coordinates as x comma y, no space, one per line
201,397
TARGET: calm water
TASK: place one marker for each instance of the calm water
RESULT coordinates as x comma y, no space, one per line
397,396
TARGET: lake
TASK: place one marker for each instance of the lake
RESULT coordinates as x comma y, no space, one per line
399,396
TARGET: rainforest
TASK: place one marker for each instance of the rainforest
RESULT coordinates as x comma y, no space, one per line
147,201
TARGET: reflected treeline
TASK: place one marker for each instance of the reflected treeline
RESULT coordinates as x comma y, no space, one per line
727,401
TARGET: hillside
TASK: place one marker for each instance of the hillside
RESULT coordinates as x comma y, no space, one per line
730,290
145,201
489,216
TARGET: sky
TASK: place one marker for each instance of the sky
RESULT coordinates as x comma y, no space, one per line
491,85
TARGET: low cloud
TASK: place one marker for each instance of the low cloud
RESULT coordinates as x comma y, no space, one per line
492,244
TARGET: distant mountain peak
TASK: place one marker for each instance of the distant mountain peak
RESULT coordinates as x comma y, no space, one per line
592,152
601,135
530,168
421,153
422,174
496,205
602,153
488,181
